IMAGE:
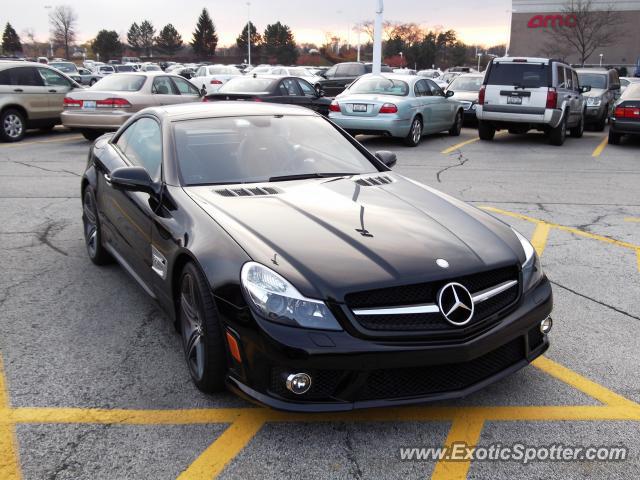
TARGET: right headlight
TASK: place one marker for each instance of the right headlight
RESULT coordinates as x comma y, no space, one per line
594,101
277,300
531,269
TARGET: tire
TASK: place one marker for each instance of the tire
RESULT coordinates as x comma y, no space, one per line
614,138
558,135
600,125
12,125
415,133
92,82
486,131
578,130
92,230
201,332
91,135
456,128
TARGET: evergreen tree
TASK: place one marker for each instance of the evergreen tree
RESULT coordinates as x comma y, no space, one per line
205,39
10,41
169,40
256,39
107,45
147,37
280,44
133,37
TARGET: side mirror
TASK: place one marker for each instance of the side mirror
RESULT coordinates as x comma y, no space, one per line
132,179
585,88
319,91
386,157
449,93
203,92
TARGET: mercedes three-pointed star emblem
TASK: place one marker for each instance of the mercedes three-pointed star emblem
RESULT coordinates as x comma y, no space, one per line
456,304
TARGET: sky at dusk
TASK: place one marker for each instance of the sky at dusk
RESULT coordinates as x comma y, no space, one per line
484,22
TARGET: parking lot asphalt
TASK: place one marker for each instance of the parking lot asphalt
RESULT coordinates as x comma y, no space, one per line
93,384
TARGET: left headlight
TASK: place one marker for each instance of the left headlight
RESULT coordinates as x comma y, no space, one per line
594,101
277,300
531,269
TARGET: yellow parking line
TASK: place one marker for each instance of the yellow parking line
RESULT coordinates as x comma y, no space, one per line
34,142
632,219
9,461
638,257
540,237
599,149
228,445
466,430
457,146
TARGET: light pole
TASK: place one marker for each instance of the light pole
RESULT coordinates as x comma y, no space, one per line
601,57
377,39
479,57
401,60
48,8
249,32
511,12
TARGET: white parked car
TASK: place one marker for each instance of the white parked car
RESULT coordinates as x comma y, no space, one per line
300,72
212,77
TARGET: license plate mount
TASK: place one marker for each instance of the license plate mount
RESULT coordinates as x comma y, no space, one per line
514,100
359,107
89,104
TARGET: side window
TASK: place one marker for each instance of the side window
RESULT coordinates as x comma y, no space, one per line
288,87
331,72
576,82
562,81
142,144
278,71
342,71
21,76
436,91
420,89
569,78
53,79
306,88
184,87
200,72
162,86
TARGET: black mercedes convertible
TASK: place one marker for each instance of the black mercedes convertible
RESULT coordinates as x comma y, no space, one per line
300,270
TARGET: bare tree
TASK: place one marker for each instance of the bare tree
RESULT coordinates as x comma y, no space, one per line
584,28
63,21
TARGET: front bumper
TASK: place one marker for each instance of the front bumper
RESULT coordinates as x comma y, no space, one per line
349,372
594,114
98,120
378,125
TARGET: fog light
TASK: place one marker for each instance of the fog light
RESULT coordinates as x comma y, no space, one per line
545,325
298,383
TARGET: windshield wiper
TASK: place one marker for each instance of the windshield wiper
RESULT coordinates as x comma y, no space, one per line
304,176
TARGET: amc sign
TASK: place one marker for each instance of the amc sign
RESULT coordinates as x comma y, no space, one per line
553,21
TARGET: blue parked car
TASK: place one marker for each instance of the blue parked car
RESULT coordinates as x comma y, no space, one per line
402,106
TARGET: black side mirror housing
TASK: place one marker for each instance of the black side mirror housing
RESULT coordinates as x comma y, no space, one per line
387,157
203,92
132,179
319,91
449,93
585,88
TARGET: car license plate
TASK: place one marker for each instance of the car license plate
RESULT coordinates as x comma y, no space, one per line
514,100
359,107
89,104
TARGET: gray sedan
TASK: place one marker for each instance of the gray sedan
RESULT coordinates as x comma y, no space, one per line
400,106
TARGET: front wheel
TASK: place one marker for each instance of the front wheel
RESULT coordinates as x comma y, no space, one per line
12,125
415,133
92,232
201,332
486,131
602,122
92,82
91,135
456,128
578,130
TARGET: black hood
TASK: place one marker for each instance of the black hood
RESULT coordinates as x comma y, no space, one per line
330,237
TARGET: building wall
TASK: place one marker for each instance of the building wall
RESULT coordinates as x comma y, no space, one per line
530,36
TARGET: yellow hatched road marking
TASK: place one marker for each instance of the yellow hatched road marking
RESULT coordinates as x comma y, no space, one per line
9,460
457,146
632,219
540,237
600,148
465,429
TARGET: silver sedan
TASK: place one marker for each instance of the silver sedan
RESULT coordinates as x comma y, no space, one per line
400,106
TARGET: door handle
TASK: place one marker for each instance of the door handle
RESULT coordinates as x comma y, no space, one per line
18,90
53,91
107,178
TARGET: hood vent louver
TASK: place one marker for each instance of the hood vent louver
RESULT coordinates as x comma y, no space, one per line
371,181
247,192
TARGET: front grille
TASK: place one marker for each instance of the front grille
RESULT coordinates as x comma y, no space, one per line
427,293
420,381
323,383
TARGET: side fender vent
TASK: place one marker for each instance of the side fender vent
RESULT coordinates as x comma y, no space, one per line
371,181
247,192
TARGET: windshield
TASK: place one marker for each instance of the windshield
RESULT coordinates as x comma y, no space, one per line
152,68
300,72
106,68
380,86
261,70
466,84
223,71
256,148
246,84
65,67
533,75
594,80
120,83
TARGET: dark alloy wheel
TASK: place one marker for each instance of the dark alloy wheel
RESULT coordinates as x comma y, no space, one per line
415,133
456,128
12,125
92,234
201,333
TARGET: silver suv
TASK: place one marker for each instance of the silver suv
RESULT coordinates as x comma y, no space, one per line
605,92
522,94
31,96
